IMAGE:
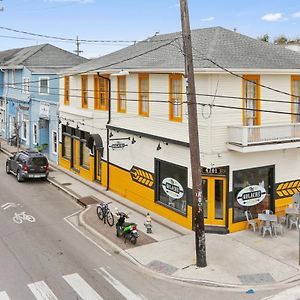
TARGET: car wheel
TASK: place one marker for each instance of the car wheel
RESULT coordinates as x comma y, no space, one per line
19,176
7,169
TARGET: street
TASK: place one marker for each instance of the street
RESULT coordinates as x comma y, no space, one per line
45,255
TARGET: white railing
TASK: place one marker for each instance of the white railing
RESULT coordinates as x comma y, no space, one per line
263,134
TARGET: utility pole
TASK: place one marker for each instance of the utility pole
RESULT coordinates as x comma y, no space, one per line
198,216
77,51
1,7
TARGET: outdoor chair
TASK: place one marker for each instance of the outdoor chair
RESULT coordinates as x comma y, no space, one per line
267,227
250,220
293,220
267,211
278,228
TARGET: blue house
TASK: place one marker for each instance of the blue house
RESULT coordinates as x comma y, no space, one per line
29,95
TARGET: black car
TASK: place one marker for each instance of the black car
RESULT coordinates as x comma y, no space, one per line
28,164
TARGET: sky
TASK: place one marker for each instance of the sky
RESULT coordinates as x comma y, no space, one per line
119,22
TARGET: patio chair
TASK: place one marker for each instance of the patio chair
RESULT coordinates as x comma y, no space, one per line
250,220
293,220
267,227
278,228
267,211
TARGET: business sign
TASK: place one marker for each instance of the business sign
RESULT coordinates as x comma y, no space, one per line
44,110
172,188
118,146
251,195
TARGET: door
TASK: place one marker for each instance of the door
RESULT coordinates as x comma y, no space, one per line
214,200
76,154
98,165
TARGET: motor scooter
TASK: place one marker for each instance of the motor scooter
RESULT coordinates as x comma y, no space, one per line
126,229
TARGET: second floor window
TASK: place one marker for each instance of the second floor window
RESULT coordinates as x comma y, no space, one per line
175,82
101,92
84,91
44,86
144,95
251,100
122,94
295,99
66,90
25,86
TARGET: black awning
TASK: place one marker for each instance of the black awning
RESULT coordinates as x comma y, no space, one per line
94,140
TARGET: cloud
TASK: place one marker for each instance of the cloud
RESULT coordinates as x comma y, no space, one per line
71,1
207,19
272,17
296,14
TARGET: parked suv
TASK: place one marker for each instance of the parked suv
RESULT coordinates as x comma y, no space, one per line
28,164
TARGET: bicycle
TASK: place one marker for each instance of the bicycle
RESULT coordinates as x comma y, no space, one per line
104,213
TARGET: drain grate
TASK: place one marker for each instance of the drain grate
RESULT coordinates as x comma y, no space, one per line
259,278
88,200
66,183
161,267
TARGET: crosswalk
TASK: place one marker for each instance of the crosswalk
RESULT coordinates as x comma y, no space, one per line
41,291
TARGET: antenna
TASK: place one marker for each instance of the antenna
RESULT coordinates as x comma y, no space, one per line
77,51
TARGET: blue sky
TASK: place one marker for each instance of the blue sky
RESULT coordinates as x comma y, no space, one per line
138,19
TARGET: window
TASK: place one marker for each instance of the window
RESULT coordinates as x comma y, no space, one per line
54,142
84,91
25,127
44,85
251,100
67,90
13,77
101,92
25,86
85,156
144,95
35,134
295,99
175,88
66,147
122,94
171,185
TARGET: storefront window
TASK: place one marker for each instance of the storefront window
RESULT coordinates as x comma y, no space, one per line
263,177
85,156
67,147
171,185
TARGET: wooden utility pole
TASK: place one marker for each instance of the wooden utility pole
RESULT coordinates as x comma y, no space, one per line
198,215
77,51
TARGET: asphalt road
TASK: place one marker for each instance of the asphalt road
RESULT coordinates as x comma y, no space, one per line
45,255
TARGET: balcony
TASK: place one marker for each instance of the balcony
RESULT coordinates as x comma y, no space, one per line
264,138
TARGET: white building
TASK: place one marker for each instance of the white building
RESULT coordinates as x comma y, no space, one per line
248,124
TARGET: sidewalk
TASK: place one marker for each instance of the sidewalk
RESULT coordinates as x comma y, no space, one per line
241,260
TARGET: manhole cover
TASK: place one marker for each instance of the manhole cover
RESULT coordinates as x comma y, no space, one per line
161,267
66,183
259,278
88,200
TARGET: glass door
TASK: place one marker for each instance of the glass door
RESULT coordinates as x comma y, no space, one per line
98,165
214,200
76,154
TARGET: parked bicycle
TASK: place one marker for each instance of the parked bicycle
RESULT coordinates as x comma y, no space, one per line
104,213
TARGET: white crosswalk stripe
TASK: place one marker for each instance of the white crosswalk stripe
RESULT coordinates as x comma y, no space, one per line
81,287
120,287
41,291
3,296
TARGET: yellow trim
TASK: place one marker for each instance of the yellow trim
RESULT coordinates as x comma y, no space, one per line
121,92
84,91
143,77
67,90
293,78
256,78
171,99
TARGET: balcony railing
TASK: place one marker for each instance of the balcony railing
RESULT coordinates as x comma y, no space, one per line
264,134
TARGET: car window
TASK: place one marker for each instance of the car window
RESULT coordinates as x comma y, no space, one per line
38,161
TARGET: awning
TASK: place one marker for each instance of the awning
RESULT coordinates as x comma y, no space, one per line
94,140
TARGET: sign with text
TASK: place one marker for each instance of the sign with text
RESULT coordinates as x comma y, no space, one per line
251,195
118,146
172,188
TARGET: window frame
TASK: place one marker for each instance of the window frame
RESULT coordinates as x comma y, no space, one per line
25,85
294,117
34,137
171,98
99,92
84,91
66,90
257,119
141,93
25,122
48,85
54,132
120,93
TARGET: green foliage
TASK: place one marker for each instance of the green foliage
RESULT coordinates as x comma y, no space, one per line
41,148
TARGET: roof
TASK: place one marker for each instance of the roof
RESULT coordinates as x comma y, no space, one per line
40,57
227,48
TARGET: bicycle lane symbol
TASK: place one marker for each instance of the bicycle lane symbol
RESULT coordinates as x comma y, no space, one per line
19,218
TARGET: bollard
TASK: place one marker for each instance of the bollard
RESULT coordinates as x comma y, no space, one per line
148,224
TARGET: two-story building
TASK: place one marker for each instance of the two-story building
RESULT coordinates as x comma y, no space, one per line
30,95
125,124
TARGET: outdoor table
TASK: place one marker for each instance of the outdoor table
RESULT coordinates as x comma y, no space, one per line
266,217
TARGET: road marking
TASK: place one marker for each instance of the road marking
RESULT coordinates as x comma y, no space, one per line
82,288
93,242
120,287
3,296
41,291
291,294
19,218
8,205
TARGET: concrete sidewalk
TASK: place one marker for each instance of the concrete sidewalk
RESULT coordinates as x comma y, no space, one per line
240,260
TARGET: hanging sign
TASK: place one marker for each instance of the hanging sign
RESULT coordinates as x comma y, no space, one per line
251,195
172,188
118,146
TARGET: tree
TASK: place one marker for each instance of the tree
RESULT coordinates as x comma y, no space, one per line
264,38
281,40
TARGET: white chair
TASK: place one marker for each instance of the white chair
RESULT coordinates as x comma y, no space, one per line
267,211
250,220
293,220
267,227
278,228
